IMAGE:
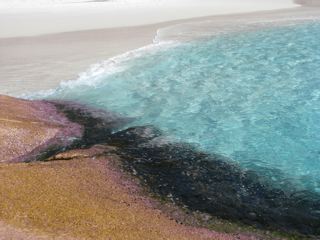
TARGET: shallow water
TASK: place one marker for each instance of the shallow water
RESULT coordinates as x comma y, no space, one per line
253,97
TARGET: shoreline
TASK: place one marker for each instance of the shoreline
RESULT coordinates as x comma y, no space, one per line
158,182
36,63
163,179
32,64
86,191
41,62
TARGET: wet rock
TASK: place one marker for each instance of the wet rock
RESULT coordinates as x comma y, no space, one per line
178,172
214,185
98,124
93,152
31,129
84,198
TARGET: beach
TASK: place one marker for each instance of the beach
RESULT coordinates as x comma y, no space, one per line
49,43
74,169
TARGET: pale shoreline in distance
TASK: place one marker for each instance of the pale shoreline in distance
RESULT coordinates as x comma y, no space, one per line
38,17
65,48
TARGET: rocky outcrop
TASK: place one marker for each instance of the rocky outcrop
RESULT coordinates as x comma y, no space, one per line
84,195
82,143
79,189
29,129
211,184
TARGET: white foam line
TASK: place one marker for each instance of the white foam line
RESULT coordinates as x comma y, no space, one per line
99,71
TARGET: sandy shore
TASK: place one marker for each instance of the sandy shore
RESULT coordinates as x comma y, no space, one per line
41,62
38,17
62,48
38,63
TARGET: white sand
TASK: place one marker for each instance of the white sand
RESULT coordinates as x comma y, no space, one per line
36,17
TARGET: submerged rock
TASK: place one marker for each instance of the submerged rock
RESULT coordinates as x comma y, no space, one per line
211,184
98,124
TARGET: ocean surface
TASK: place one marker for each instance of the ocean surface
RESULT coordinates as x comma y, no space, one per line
252,97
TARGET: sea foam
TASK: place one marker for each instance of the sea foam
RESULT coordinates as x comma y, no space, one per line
97,72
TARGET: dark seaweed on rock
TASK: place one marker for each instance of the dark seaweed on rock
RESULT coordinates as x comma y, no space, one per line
209,184
98,124
201,182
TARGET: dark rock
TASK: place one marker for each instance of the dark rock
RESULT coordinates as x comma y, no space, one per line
210,184
98,124
214,185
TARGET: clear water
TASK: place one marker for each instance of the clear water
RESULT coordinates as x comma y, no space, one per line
252,97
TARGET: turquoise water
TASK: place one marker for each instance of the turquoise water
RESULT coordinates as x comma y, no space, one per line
253,97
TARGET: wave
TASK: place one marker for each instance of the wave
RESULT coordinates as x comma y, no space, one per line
97,72
168,37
